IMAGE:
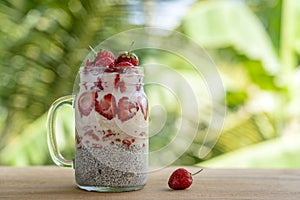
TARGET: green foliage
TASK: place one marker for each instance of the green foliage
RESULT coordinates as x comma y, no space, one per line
234,99
276,153
44,42
219,24
30,146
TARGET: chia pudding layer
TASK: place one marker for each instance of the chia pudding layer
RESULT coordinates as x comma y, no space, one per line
110,167
111,112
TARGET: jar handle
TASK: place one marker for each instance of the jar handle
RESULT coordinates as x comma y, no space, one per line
51,131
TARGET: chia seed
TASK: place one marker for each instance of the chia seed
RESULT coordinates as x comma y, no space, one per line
111,166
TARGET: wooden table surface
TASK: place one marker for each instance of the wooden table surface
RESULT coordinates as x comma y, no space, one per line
53,182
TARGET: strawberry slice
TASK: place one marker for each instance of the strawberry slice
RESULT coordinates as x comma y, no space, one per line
105,58
107,106
143,104
119,83
92,135
126,109
86,103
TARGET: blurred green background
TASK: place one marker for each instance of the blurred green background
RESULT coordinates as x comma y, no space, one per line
255,44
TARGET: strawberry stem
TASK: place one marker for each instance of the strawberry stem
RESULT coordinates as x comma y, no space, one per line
131,46
93,50
197,172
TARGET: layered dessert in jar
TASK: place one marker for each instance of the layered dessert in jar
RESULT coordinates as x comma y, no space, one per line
111,116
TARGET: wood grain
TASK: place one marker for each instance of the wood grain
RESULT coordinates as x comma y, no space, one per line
58,183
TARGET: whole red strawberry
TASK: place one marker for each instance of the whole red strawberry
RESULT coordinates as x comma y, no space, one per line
128,56
181,179
105,58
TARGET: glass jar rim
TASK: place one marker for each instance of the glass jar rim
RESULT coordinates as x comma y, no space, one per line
113,70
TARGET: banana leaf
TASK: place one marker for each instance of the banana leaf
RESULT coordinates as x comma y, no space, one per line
220,24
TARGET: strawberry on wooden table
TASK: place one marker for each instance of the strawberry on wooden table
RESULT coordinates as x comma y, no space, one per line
181,179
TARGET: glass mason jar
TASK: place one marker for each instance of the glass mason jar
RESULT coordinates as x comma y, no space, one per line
111,130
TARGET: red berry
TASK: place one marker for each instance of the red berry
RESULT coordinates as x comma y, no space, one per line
181,179
124,64
128,57
126,109
107,106
86,103
105,58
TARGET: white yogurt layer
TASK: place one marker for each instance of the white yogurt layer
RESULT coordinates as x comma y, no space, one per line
95,130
